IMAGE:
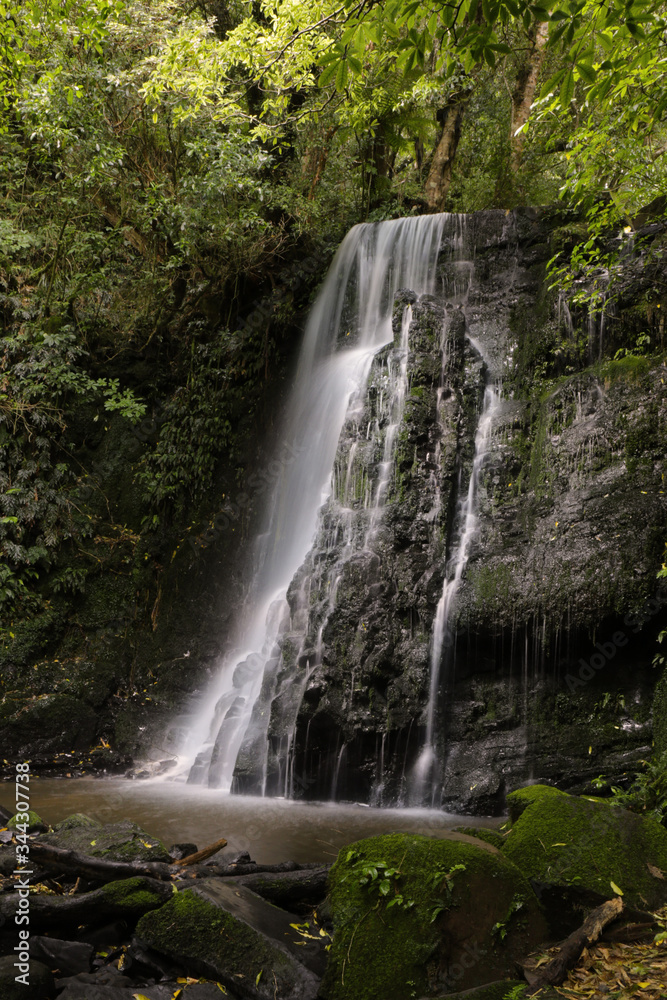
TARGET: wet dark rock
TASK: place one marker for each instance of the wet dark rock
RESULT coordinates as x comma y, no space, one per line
123,841
40,984
161,991
229,934
496,991
67,957
178,851
47,724
572,519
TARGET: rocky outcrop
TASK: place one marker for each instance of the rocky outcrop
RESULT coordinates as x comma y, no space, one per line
558,606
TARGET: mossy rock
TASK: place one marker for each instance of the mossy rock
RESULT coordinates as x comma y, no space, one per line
75,822
49,724
493,837
35,822
133,897
229,934
519,800
124,841
430,940
563,839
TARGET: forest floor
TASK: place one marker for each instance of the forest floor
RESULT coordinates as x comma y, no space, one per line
616,971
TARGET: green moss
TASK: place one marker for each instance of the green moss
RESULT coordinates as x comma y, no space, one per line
631,366
34,819
194,928
492,991
76,820
563,839
388,951
134,895
492,837
124,841
660,715
523,797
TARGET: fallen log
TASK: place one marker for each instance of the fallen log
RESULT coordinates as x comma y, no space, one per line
206,852
554,973
128,899
98,869
62,861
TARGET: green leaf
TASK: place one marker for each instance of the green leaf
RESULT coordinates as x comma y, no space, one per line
341,77
587,72
567,90
327,74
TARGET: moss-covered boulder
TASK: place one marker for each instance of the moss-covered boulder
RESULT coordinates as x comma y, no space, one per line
124,841
34,823
415,915
75,822
519,800
565,839
228,934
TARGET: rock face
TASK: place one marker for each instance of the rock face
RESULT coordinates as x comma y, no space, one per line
418,915
230,934
553,625
569,840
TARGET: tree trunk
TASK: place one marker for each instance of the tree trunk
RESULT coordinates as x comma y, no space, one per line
440,174
524,90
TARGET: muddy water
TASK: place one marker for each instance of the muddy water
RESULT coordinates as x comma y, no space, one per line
272,830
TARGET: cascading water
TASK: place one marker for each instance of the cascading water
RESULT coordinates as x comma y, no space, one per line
442,642
349,324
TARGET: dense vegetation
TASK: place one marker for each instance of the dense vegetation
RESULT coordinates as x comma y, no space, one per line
166,166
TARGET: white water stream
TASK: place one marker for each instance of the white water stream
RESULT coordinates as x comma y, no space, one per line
442,642
356,301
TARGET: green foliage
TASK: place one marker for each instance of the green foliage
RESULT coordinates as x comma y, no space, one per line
648,792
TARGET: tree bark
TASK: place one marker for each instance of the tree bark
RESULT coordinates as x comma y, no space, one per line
524,90
206,852
89,907
57,859
439,177
133,236
554,973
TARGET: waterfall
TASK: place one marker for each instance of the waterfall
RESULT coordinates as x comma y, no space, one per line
350,324
442,642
